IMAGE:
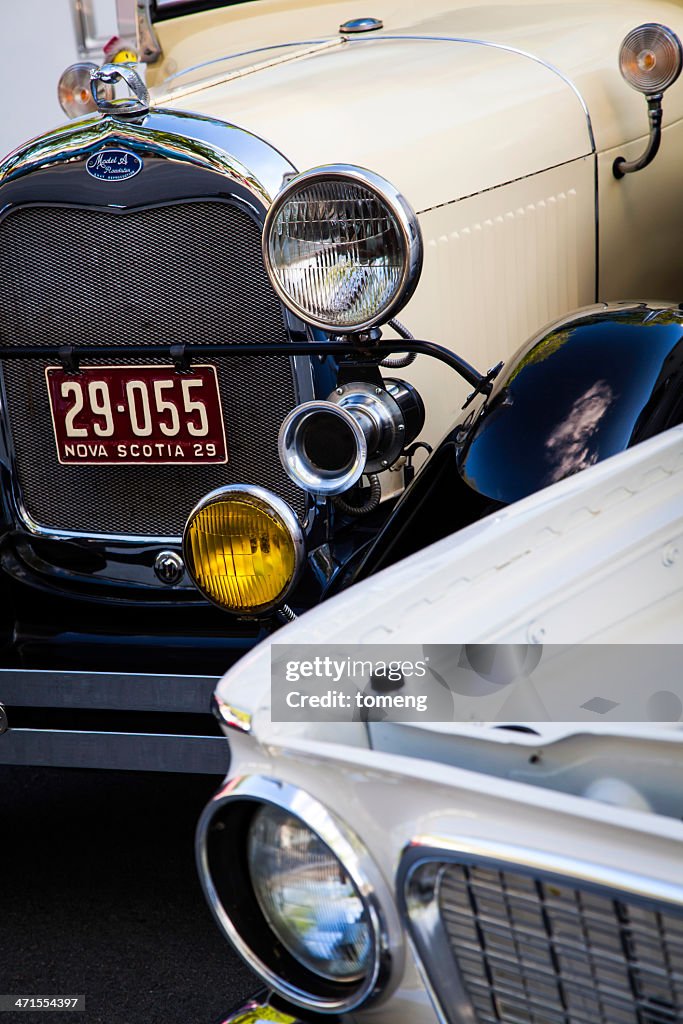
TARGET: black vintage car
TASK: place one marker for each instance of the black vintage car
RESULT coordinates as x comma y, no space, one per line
198,410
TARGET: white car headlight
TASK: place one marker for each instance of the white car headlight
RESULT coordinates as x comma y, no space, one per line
342,248
307,897
299,896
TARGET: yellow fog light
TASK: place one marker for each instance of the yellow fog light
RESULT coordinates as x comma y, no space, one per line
243,548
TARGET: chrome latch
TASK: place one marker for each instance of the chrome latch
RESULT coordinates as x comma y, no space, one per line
128,106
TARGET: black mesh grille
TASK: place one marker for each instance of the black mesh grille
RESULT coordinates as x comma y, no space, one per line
184,273
534,951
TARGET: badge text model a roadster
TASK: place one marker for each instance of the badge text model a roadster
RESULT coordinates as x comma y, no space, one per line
192,308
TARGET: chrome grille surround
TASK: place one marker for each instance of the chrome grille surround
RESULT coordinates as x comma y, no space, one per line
194,168
522,939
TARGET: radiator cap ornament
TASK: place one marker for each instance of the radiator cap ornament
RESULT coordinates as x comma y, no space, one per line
360,25
113,165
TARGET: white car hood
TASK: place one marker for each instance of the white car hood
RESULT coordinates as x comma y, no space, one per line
591,559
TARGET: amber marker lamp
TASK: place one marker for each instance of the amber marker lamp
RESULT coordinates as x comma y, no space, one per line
650,60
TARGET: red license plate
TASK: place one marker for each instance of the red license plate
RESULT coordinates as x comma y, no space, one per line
131,415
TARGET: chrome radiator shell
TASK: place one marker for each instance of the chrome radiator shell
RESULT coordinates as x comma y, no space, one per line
169,257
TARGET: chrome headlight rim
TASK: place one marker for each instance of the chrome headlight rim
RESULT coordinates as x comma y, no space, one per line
403,215
268,502
241,798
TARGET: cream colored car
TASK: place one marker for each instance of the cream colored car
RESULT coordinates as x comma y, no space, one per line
499,123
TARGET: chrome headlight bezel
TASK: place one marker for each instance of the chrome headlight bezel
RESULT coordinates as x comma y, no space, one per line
222,843
268,504
398,209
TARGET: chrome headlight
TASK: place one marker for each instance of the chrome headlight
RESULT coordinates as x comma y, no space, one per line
299,896
342,248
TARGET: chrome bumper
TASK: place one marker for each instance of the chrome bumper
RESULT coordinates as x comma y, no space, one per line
135,722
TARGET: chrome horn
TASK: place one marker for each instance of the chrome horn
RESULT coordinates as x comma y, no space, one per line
326,446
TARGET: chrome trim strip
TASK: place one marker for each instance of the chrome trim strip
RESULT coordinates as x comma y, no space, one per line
116,751
113,691
180,91
540,862
242,53
388,947
417,899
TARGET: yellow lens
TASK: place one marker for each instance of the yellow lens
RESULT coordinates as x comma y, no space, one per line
242,551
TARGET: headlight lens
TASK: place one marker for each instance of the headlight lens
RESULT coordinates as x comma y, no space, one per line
307,897
342,248
243,548
650,58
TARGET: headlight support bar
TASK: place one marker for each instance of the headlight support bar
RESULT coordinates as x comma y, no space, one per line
181,355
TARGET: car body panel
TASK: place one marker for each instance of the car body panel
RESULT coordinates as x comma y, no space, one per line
554,33
559,566
391,801
595,557
480,294
376,133
582,391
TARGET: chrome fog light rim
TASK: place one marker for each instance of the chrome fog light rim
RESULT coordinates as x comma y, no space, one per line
269,503
400,211
387,938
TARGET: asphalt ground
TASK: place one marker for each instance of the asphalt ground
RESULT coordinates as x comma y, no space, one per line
99,896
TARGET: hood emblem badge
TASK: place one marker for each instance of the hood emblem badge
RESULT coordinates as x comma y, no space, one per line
113,165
